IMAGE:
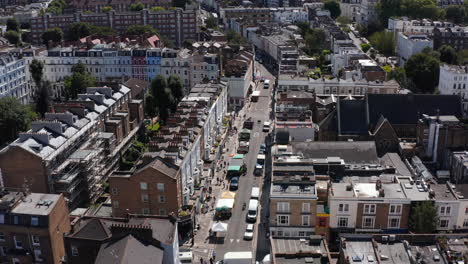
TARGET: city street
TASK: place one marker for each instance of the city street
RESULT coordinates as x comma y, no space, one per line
234,239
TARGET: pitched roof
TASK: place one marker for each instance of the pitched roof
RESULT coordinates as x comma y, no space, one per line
407,108
354,152
352,119
129,249
93,229
136,86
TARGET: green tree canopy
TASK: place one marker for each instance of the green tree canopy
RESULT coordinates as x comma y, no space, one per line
365,47
136,6
398,74
180,3
235,38
42,98
78,81
462,56
416,9
56,7
211,22
52,34
78,30
102,31
334,8
137,30
106,9
422,72
455,13
12,24
175,85
448,54
13,37
384,42
14,118
36,69
314,41
157,8
424,218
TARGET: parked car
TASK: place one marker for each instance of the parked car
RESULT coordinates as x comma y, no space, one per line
249,231
234,185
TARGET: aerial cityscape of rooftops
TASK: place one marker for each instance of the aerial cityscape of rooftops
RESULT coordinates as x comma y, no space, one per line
233,131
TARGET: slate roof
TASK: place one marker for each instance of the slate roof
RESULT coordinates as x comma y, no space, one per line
352,119
129,249
354,152
93,229
404,108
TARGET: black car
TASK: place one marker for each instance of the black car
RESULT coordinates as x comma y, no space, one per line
234,183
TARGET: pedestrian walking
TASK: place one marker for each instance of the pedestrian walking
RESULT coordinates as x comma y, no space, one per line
201,261
214,255
211,261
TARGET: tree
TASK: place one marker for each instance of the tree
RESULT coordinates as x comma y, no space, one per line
422,72
102,31
420,9
36,69
12,24
106,9
455,14
398,74
150,109
137,30
176,87
157,8
235,38
42,98
25,25
343,20
462,56
78,30
314,41
387,9
52,34
365,47
78,81
56,7
14,118
136,7
424,218
334,8
448,54
180,3
13,37
384,42
211,22
162,97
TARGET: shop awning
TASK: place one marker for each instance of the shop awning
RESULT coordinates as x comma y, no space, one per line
234,168
238,156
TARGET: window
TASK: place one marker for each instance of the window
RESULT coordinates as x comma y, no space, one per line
443,223
369,209
302,233
143,186
162,198
18,243
322,222
144,198
115,191
35,240
34,220
343,208
162,211
161,187
283,207
305,220
465,223
74,251
466,210
395,208
283,220
38,254
115,204
306,207
445,210
2,218
145,211
2,236
368,222
394,222
342,222
3,251
16,219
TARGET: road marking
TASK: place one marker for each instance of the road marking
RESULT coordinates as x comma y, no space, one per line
256,134
205,251
238,240
232,240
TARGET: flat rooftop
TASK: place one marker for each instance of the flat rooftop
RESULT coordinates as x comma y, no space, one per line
360,252
392,253
37,204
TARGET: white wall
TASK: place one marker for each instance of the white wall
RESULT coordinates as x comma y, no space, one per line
334,214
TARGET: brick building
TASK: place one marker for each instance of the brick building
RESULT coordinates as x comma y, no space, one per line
73,149
32,227
94,240
177,25
154,189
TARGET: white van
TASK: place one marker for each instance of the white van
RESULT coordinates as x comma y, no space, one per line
252,213
266,84
185,257
255,193
266,126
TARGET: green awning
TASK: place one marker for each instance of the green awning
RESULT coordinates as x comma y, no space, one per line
234,168
238,156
